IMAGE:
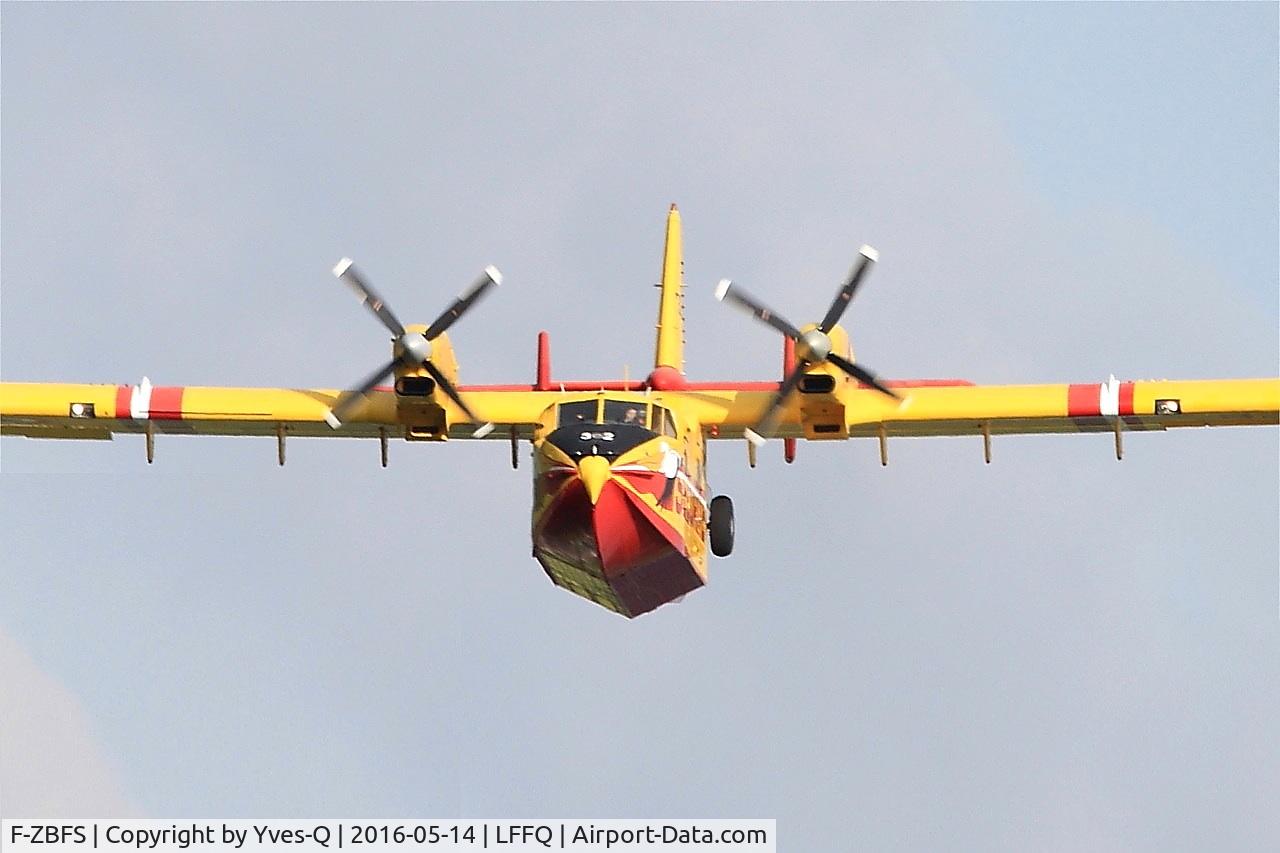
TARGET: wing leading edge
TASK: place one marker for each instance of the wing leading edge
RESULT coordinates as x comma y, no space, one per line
958,410
76,411
69,411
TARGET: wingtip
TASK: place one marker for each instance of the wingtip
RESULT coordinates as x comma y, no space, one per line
870,254
722,289
341,267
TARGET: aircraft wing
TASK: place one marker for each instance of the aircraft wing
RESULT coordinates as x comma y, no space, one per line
724,410
965,409
68,411
1084,407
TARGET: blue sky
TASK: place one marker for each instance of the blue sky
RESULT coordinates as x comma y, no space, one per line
1054,651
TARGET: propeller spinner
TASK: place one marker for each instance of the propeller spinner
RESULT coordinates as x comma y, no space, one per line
410,349
812,347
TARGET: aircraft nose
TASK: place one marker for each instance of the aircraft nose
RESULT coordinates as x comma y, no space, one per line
594,471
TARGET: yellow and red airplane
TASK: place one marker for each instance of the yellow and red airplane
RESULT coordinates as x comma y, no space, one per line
622,514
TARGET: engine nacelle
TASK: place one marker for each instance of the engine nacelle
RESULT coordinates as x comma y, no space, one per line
824,416
419,400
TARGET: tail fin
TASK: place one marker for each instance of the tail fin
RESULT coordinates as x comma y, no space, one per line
670,350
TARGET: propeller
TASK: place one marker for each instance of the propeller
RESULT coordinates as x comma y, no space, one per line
410,349
812,347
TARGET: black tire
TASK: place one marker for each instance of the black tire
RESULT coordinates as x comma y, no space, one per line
721,526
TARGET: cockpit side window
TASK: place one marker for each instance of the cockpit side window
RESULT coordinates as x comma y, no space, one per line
582,412
663,423
624,412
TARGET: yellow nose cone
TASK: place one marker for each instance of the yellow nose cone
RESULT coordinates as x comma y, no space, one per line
594,471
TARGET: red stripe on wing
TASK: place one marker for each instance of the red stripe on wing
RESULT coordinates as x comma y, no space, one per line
166,404
124,398
1126,398
1082,401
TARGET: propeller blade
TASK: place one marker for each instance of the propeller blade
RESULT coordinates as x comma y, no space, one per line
764,429
350,399
346,271
726,290
845,296
866,377
452,393
464,302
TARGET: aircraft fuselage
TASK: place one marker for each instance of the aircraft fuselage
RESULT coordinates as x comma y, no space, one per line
620,503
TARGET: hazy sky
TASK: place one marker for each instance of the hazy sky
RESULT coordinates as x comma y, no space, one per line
1052,652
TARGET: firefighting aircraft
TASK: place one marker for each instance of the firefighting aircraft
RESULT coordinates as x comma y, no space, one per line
622,513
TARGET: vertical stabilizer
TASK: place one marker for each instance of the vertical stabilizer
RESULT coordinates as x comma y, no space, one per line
670,351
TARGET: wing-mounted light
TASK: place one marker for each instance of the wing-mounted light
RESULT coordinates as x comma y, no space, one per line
821,343
419,354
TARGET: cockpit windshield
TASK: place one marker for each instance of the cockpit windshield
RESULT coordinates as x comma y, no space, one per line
583,412
624,412
602,428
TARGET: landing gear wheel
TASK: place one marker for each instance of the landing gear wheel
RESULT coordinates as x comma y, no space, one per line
721,526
